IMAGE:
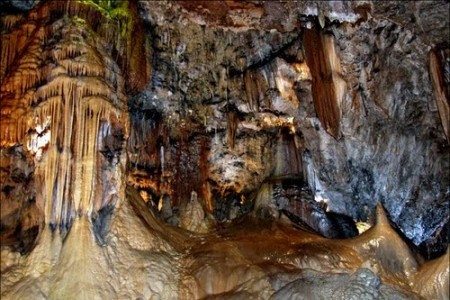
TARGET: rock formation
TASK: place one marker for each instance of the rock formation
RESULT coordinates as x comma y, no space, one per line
224,149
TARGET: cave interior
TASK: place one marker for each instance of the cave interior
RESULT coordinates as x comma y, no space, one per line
235,149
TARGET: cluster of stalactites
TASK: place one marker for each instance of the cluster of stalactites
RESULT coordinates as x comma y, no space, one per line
60,86
37,25
34,54
119,30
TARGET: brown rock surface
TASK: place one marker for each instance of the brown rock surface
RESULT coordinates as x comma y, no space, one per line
258,127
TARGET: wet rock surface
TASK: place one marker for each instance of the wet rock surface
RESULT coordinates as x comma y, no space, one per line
224,149
382,140
20,218
363,284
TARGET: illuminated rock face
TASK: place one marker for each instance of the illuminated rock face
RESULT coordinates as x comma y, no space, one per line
328,86
356,97
63,100
265,131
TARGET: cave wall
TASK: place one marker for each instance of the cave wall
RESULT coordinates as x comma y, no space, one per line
262,129
368,129
395,150
343,98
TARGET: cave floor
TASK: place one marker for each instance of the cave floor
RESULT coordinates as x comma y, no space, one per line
251,258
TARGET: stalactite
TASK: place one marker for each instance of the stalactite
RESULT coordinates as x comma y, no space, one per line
9,21
440,89
232,124
115,28
208,197
328,86
59,84
252,90
223,83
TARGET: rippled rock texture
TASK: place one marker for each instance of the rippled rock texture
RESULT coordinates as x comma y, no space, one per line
221,149
337,94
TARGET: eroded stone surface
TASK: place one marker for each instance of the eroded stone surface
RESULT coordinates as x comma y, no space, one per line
245,120
248,76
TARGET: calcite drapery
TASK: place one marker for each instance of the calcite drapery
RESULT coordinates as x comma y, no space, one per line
65,69
440,86
328,86
137,259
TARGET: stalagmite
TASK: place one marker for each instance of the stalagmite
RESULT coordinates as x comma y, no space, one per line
385,250
193,216
264,204
432,280
181,150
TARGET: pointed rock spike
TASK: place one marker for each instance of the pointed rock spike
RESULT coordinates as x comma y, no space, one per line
382,219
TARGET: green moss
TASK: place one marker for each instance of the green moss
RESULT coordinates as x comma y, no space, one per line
110,5
124,19
116,10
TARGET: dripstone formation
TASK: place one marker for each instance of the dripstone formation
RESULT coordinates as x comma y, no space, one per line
224,149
